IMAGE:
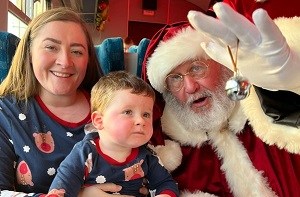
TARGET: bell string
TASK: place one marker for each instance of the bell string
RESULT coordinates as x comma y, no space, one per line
234,62
237,87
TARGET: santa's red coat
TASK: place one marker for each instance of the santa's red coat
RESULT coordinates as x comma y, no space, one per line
251,156
200,169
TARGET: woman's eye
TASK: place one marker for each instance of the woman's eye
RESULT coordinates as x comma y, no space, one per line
50,47
77,52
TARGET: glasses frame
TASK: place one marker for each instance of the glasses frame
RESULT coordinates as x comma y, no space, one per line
185,74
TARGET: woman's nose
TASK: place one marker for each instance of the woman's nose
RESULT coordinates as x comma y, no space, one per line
190,84
64,59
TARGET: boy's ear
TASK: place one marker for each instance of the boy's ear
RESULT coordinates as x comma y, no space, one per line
97,120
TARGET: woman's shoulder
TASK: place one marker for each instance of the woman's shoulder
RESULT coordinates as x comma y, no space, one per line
12,105
11,100
4,100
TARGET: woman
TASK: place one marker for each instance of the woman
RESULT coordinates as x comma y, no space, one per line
44,102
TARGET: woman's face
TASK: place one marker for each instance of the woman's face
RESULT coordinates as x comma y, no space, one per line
59,57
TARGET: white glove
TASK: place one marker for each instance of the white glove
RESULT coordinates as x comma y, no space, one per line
264,57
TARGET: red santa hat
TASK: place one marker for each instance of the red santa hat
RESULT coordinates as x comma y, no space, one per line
171,46
275,8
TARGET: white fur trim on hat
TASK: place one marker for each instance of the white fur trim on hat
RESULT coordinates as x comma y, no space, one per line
169,54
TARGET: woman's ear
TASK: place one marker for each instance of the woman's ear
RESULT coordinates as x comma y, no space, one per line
97,120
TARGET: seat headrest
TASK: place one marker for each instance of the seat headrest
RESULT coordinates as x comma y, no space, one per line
8,45
110,54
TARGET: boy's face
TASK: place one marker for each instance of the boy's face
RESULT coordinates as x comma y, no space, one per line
127,120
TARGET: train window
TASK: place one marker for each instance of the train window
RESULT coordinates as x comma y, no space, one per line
15,25
20,13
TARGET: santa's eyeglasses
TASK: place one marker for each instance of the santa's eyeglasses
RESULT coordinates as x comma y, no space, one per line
197,70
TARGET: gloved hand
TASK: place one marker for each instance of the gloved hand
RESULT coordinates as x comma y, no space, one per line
264,56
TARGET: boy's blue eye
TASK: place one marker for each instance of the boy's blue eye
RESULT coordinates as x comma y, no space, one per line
147,115
129,112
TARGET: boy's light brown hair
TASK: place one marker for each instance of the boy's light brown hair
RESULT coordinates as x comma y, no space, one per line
104,90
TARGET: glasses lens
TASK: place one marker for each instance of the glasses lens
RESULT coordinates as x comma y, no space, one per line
174,82
198,70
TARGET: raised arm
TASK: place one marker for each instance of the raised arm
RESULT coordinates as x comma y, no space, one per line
268,50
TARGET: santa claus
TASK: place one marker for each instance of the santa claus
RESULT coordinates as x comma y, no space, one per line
214,146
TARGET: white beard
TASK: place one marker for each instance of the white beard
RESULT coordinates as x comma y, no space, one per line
207,119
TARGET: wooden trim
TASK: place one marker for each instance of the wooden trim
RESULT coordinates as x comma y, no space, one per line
18,13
